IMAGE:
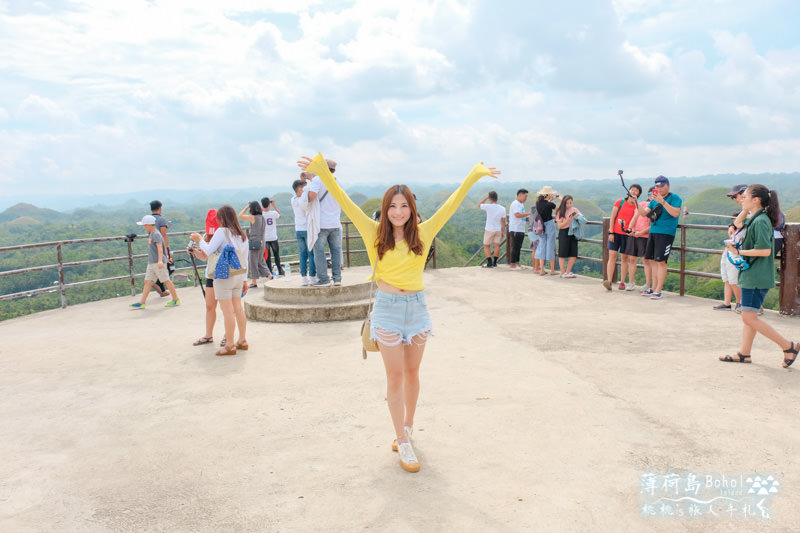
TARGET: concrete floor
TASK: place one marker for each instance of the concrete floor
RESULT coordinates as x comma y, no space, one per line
544,402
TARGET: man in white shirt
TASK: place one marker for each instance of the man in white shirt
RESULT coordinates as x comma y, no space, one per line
516,227
308,269
495,227
330,232
271,234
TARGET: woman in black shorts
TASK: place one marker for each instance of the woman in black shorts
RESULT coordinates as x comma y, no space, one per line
567,244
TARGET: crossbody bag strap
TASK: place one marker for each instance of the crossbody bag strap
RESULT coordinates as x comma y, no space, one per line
372,287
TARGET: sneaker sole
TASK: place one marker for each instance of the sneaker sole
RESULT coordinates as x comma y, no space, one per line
410,467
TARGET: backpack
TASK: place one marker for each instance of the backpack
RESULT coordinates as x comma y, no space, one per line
537,224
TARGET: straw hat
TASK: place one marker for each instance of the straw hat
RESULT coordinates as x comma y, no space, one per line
547,191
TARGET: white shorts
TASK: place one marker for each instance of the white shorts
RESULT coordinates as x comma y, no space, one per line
492,237
728,272
225,289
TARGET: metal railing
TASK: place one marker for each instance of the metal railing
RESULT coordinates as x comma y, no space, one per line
62,267
789,261
789,269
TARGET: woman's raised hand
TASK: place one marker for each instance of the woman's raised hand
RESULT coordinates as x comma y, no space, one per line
304,162
494,171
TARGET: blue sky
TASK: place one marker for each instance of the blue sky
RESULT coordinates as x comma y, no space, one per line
99,96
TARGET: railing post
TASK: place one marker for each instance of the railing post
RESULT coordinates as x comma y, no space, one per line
61,287
790,263
130,266
604,246
347,242
683,260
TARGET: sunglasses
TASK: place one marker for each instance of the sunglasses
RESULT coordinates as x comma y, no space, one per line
332,170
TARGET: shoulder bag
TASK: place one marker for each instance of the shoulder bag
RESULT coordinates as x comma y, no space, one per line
368,344
213,258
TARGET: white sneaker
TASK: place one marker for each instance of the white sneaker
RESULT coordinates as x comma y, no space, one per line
306,281
409,430
408,459
630,287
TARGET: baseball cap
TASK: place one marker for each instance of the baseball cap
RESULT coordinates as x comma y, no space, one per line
736,189
147,219
661,180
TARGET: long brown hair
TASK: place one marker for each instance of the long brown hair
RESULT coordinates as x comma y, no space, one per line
226,216
385,239
561,212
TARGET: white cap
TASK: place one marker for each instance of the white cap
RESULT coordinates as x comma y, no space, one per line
147,219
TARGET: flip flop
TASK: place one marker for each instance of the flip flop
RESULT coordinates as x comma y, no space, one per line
203,340
740,358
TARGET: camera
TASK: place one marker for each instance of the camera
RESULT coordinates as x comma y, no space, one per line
191,246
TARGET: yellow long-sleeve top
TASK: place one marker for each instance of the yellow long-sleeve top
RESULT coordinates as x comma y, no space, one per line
399,267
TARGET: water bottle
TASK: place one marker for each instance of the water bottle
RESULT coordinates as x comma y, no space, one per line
275,273
288,271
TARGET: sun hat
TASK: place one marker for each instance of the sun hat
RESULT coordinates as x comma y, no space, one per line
147,220
547,190
736,189
331,164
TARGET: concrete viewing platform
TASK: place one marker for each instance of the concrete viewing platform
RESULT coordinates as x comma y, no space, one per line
544,401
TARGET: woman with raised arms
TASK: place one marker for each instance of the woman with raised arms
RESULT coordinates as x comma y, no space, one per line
397,245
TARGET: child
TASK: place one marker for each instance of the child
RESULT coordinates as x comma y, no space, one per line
156,269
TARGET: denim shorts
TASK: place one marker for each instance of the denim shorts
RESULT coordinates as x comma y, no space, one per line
752,299
400,317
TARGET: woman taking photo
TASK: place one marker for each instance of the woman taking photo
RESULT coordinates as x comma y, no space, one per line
256,265
229,291
397,245
567,244
546,251
759,277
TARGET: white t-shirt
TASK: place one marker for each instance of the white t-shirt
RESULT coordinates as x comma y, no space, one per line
329,211
271,228
300,218
495,216
515,223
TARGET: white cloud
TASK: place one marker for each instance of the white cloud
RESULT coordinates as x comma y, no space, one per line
203,94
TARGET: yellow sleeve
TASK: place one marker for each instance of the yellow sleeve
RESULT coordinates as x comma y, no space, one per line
432,226
367,227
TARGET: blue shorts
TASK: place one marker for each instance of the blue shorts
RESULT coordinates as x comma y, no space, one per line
753,299
398,318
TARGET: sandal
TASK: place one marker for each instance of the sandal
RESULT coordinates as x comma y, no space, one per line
203,340
793,349
253,286
740,358
242,345
226,351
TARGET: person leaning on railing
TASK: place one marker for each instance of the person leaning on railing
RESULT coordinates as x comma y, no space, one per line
758,276
397,246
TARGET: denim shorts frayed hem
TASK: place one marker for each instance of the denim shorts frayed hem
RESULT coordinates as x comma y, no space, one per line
400,318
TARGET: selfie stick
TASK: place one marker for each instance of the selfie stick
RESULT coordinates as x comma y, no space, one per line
619,173
197,274
686,213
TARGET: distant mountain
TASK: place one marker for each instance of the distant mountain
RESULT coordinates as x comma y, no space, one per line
22,210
